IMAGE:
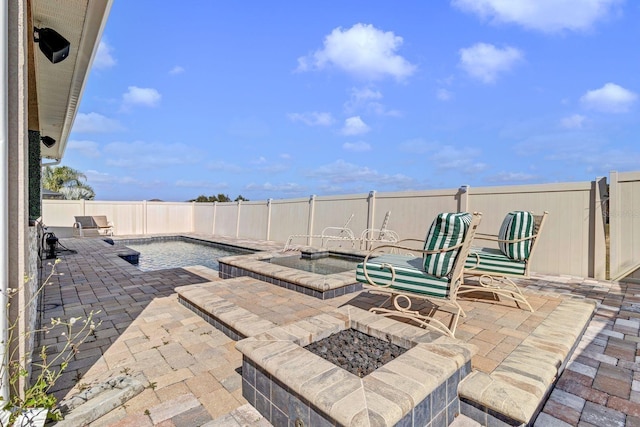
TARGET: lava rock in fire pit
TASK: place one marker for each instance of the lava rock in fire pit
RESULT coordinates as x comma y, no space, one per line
355,351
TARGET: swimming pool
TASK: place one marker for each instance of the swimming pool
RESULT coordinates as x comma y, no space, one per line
163,253
325,265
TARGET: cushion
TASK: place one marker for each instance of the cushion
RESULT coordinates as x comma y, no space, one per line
487,260
516,225
409,275
447,229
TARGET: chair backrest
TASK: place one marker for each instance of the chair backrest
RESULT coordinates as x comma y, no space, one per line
515,235
383,227
521,229
457,270
86,221
446,231
539,221
101,221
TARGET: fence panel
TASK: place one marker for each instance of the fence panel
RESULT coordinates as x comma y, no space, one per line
203,217
60,213
127,217
335,211
412,212
563,247
169,217
624,223
226,221
253,220
289,216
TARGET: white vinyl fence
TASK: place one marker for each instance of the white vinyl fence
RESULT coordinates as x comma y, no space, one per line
572,243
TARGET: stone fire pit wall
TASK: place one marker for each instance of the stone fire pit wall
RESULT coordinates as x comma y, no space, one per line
289,385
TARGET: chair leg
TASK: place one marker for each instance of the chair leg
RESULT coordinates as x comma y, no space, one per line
501,286
402,307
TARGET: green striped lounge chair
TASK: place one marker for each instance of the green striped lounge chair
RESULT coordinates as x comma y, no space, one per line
494,268
406,275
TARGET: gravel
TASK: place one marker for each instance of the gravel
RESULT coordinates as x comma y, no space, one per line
355,351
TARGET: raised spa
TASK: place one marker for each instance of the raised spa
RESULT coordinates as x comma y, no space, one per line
330,264
319,274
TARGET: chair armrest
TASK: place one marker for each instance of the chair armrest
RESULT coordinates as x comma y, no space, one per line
494,238
406,248
341,230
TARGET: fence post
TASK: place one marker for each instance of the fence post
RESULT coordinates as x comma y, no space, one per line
84,207
614,225
597,244
238,219
312,208
463,198
144,217
193,216
371,207
213,222
269,219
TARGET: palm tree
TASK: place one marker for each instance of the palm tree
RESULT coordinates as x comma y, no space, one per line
67,181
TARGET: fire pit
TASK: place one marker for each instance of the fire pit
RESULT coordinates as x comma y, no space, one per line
290,385
356,351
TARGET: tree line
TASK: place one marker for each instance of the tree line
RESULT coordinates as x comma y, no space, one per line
219,198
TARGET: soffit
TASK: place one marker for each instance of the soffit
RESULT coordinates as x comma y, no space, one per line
60,86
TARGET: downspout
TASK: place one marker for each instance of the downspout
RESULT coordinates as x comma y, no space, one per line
4,198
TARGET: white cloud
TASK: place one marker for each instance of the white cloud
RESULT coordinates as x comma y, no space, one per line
542,15
444,94
313,118
341,172
176,70
354,126
484,61
287,188
99,178
510,177
104,57
362,51
356,147
462,160
95,123
86,148
610,98
141,154
575,121
148,97
367,99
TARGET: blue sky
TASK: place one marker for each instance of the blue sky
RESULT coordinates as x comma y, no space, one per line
285,99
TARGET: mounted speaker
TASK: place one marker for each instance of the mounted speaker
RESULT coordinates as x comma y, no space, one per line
48,141
52,44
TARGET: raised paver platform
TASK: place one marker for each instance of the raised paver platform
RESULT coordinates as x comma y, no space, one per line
512,393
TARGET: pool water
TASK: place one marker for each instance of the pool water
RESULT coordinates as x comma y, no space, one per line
326,265
160,255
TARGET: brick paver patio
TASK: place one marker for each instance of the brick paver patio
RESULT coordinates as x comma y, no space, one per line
190,369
